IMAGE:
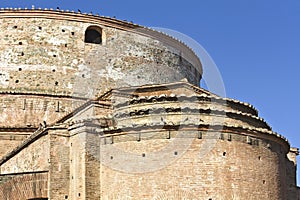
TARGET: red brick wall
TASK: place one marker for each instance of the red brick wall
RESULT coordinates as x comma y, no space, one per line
24,186
230,170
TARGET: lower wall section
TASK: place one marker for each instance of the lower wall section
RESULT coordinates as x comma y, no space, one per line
24,186
200,169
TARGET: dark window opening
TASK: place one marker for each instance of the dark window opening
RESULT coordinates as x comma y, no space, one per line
93,35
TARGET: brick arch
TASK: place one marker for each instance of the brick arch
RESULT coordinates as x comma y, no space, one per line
93,34
174,194
24,186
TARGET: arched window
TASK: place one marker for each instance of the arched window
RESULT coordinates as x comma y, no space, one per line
93,34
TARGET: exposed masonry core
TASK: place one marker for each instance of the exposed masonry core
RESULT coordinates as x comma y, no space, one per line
97,108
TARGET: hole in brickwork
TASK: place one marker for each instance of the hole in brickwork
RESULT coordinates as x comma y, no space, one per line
15,27
82,76
143,155
54,55
22,53
221,137
111,157
66,197
20,69
79,194
66,45
53,70
264,181
224,153
175,153
248,140
40,28
56,83
20,43
199,135
63,30
17,81
259,158
72,33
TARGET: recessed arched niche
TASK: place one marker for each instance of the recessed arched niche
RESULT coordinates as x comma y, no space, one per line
94,35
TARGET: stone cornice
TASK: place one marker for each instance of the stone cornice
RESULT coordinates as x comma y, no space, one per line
37,94
88,125
259,133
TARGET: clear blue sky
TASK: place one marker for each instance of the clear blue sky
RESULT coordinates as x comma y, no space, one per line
255,44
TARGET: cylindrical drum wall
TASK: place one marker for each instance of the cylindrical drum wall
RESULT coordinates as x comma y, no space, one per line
182,165
64,55
55,52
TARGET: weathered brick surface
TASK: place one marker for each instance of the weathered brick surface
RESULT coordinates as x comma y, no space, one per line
291,171
49,56
24,186
59,166
32,158
93,178
244,172
155,136
31,110
77,165
10,140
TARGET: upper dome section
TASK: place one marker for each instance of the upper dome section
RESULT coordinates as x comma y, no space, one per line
58,52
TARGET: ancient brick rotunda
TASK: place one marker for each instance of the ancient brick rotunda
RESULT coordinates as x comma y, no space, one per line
97,108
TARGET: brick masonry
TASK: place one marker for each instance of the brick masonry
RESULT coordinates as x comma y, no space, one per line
124,119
